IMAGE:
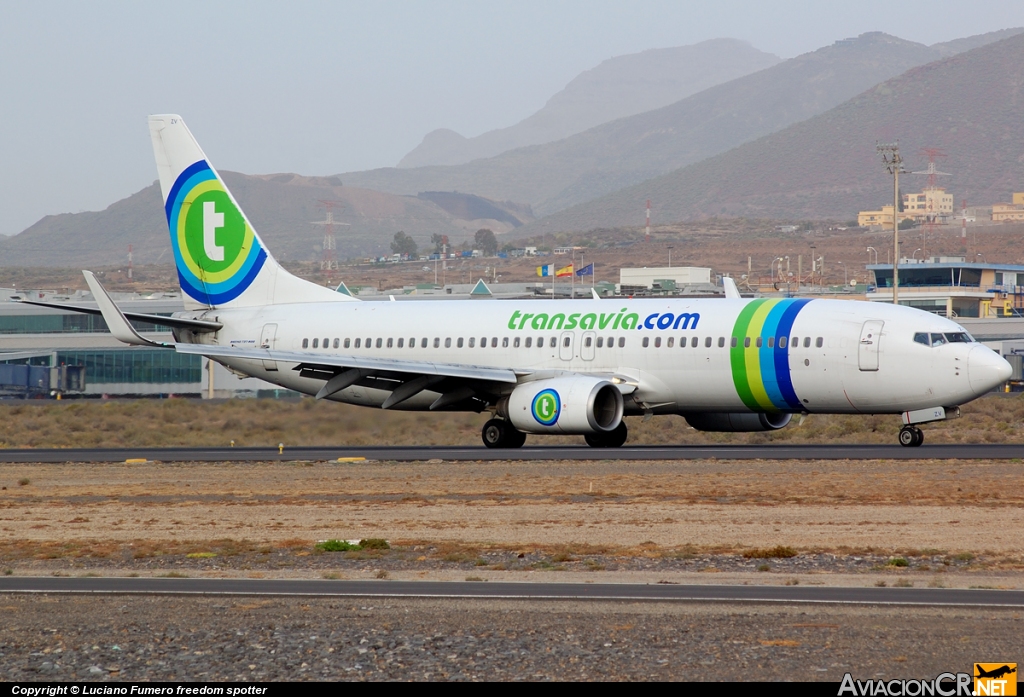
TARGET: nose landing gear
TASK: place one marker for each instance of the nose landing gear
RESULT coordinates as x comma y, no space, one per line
911,436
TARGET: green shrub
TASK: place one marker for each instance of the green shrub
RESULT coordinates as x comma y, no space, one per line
374,543
778,552
898,561
336,546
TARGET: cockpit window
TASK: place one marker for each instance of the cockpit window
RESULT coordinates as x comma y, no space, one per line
938,340
922,338
958,337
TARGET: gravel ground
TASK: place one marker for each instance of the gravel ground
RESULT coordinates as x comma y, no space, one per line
171,638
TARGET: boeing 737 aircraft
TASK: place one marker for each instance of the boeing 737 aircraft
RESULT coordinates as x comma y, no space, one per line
543,366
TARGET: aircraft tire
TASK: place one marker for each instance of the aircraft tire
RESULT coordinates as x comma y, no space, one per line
611,439
908,437
918,437
498,433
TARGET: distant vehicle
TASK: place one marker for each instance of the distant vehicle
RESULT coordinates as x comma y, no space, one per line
543,366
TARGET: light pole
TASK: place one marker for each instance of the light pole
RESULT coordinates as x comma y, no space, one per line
670,256
846,278
772,268
914,255
893,162
872,249
983,259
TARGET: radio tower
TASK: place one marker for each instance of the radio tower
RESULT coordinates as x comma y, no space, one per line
647,234
329,257
933,174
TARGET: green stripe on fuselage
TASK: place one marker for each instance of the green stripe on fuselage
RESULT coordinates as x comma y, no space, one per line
746,362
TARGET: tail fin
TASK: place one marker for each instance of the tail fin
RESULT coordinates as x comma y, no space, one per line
221,260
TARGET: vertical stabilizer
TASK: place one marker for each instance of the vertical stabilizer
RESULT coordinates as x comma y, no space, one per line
221,261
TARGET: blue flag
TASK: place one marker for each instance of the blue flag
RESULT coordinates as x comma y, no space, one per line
587,270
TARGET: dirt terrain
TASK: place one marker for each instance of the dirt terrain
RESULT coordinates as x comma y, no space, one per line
952,523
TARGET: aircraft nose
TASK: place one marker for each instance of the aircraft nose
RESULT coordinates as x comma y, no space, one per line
986,369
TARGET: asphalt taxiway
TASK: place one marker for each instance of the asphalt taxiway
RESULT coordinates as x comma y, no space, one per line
523,591
944,451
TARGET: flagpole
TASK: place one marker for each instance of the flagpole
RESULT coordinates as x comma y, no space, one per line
572,279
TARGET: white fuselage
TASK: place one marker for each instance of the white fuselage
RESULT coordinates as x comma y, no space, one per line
682,355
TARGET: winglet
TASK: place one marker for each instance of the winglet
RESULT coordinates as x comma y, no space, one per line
116,322
731,291
594,293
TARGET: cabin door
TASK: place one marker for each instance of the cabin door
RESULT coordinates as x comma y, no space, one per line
268,340
870,339
565,347
587,347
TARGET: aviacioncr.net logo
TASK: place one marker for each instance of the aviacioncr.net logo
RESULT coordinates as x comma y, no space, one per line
215,233
546,407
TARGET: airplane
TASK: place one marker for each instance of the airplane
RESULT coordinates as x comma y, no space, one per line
543,366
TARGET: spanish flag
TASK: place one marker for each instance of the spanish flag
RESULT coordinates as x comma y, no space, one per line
564,271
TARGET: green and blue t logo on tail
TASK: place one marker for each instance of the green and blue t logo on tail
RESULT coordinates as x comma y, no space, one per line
216,251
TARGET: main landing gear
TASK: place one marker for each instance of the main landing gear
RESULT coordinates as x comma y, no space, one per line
911,436
498,433
611,439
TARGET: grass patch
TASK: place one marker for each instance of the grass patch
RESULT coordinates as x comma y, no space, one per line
173,574
374,543
764,567
778,552
336,546
24,482
899,562
201,555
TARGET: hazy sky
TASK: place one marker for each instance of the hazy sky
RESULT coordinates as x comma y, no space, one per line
328,87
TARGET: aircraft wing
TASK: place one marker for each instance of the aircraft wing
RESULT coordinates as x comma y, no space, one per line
308,360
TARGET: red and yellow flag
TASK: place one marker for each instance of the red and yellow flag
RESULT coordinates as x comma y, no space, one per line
564,271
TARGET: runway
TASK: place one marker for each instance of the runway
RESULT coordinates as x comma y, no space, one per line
519,591
986,451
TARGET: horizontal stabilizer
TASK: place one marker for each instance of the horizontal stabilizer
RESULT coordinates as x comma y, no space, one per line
116,322
199,326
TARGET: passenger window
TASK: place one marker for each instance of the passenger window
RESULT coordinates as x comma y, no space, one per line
707,342
721,342
587,342
819,342
494,342
646,342
734,342
671,342
412,343
472,342
504,342
938,340
553,343
922,338
423,342
335,343
459,344
379,342
327,343
600,342
529,341
515,342
391,342
358,341
448,343
401,342
746,342
611,342
369,342
622,341
437,342
566,341
348,343
657,342
693,342
316,343
796,342
807,342
782,342
771,342
305,343
757,342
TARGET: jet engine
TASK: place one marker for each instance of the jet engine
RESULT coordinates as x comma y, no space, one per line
577,405
735,422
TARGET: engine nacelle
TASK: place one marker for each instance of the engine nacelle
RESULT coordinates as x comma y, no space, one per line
738,422
570,406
